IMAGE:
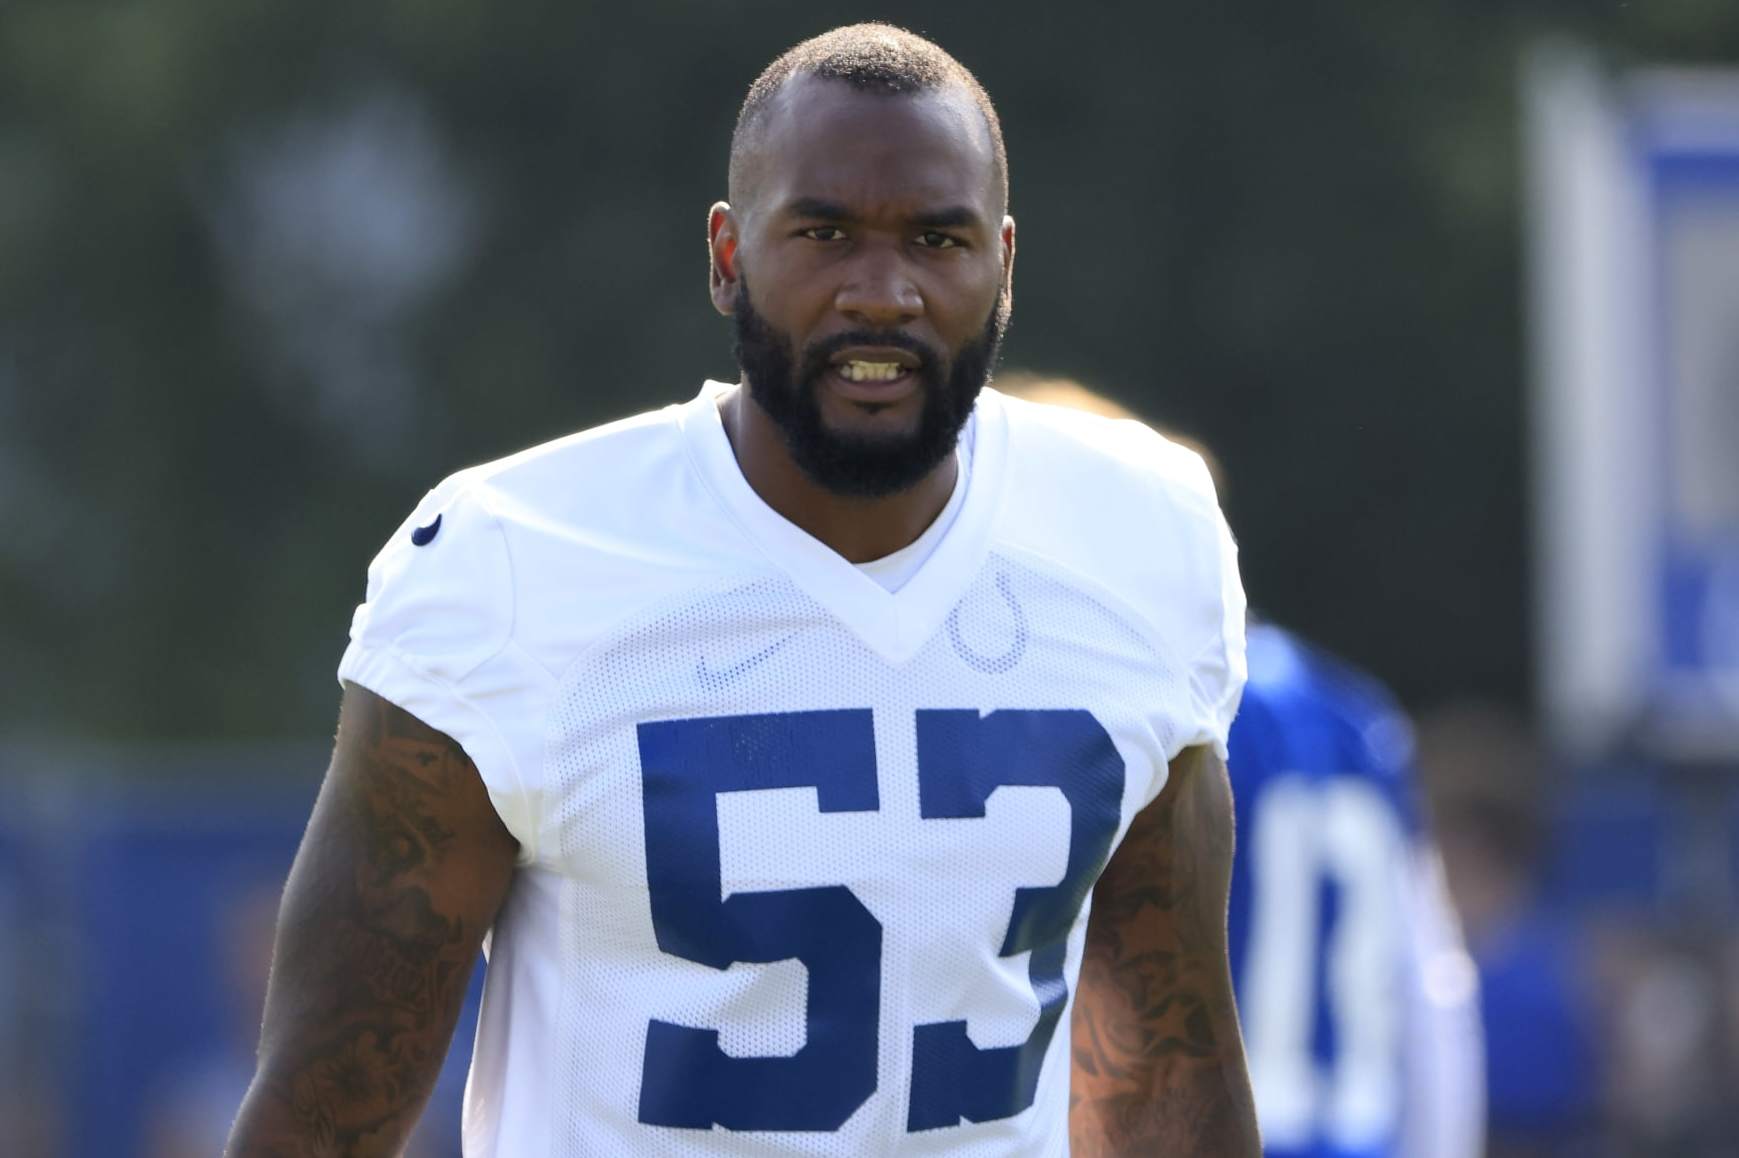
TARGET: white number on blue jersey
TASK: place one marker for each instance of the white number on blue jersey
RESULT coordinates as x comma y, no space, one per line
1310,833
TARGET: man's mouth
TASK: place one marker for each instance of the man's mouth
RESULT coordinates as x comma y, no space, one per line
875,375
855,371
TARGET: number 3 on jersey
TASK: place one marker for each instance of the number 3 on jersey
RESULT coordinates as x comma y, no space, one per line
687,1080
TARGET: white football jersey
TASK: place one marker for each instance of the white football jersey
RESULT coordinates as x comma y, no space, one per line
805,863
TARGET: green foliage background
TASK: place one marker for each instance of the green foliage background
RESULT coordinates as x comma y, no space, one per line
1291,229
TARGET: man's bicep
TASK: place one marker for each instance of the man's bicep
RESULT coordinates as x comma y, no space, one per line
1158,1059
1182,844
401,872
404,861
1157,937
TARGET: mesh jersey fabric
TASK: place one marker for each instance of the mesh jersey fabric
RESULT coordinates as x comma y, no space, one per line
804,862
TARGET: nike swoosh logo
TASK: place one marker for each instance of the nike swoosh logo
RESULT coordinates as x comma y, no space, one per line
707,675
423,536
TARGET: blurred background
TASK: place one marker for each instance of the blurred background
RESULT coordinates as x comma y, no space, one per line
1451,287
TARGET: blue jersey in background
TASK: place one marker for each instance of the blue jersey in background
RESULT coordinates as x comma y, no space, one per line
1320,940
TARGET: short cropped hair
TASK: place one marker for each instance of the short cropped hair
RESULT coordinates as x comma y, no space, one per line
871,57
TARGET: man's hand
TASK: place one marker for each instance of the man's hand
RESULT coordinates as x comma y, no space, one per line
1159,1062
400,874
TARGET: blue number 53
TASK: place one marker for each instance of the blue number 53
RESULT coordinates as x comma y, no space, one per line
686,1078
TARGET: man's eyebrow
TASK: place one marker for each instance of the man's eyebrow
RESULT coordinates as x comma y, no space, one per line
820,209
953,217
817,208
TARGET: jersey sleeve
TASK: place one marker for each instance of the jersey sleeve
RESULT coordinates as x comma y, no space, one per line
439,609
1219,669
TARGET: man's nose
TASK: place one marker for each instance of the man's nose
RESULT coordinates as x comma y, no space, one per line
879,291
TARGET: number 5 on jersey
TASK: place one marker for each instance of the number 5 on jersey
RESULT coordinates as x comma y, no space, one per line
687,1080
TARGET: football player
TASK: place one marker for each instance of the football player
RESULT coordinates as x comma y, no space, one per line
777,739
1355,993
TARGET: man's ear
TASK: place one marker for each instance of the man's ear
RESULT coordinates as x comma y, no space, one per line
1008,260
721,241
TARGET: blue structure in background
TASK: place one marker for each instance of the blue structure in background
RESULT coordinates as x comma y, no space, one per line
1699,556
154,884
129,907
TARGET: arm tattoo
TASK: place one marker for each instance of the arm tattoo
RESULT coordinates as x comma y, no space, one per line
1158,1060
380,928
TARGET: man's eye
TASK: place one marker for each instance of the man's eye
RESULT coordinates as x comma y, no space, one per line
931,239
823,233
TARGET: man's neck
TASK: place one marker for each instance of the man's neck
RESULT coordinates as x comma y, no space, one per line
859,529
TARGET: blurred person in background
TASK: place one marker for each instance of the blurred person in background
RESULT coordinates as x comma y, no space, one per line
1664,1063
1486,778
1355,992
742,682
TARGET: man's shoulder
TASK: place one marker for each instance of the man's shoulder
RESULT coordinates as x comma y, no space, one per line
568,470
1291,665
1123,514
1357,723
1113,499
1122,459
611,490
547,547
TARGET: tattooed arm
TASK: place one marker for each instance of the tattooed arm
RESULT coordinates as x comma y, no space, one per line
1159,1063
400,873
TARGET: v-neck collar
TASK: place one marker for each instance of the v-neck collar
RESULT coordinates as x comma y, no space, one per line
893,624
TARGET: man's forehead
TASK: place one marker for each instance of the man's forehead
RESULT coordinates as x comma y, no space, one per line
826,138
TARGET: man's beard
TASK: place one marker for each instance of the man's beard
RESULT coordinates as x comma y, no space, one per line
852,465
